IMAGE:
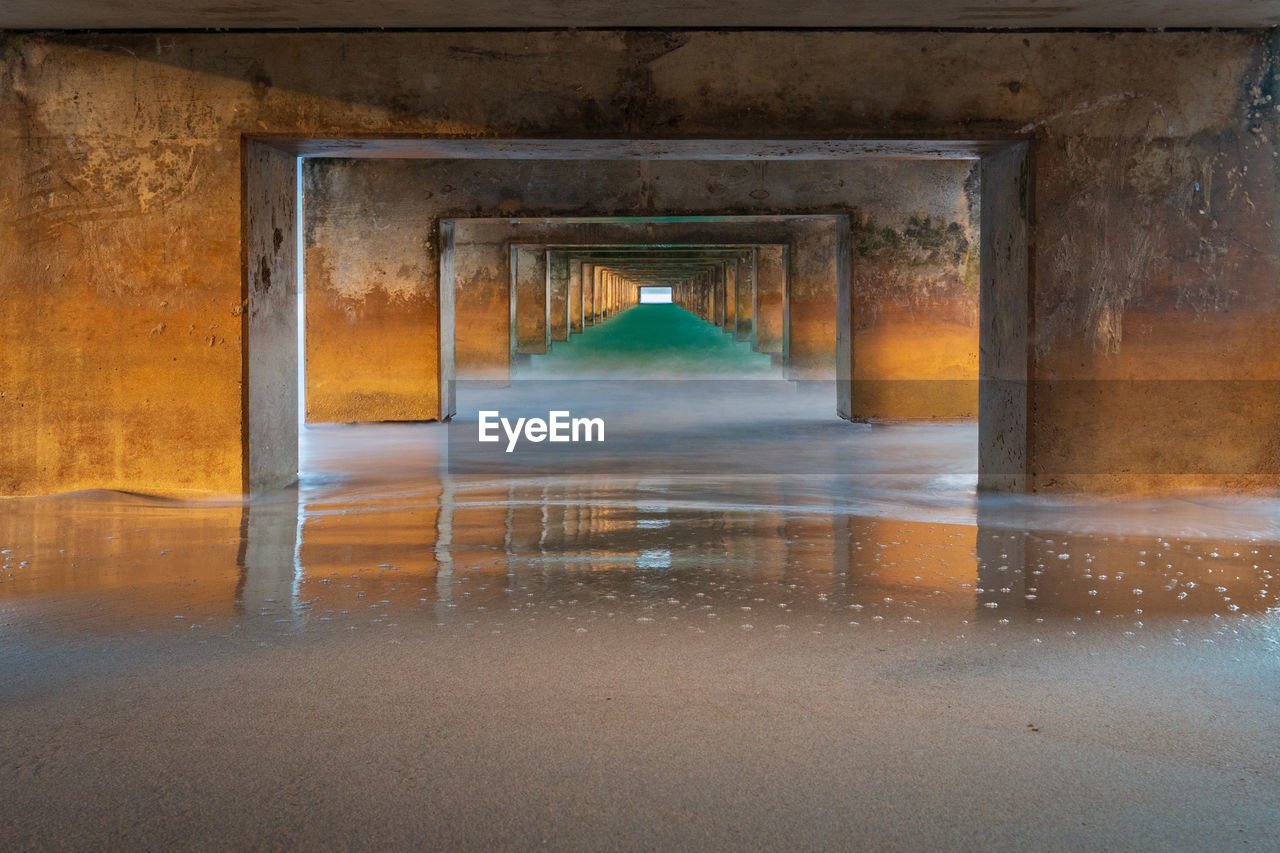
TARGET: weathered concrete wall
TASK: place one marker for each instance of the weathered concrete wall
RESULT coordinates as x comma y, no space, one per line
915,311
371,279
370,225
1155,254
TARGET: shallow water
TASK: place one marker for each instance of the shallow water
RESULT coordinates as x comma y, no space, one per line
756,521
739,619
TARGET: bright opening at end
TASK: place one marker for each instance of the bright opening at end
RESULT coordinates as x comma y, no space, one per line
655,296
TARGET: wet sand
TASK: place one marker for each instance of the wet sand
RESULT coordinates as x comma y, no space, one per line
764,651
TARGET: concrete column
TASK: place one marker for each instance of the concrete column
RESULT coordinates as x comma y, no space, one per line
447,374
597,290
718,276
818,278
770,299
588,294
575,296
270,372
744,310
529,293
1003,400
708,295
557,296
729,321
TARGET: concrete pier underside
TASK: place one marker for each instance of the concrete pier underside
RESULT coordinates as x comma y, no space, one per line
370,220
844,560
1148,198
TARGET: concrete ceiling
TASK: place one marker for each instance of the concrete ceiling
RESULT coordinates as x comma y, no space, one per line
486,14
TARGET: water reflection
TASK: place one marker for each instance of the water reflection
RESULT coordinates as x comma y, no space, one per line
381,532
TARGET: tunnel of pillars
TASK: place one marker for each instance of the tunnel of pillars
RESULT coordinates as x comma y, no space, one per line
719,283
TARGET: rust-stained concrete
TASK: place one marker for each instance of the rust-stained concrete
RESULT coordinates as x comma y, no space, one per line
770,294
364,214
746,297
529,300
1154,251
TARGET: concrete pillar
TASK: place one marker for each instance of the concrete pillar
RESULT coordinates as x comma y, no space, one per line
557,296
770,299
1003,454
729,322
529,294
718,276
588,294
481,274
270,325
575,295
819,278
597,290
744,309
447,357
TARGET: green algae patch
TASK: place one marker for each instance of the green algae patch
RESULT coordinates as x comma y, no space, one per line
651,341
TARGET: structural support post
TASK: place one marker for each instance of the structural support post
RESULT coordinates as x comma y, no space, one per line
557,296
744,309
529,300
269,401
729,322
575,296
770,296
1005,311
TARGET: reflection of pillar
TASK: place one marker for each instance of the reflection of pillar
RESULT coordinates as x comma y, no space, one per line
557,296
269,531
444,548
1002,564
575,295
